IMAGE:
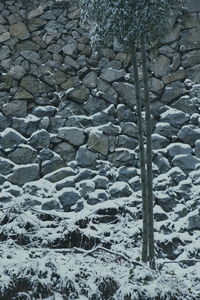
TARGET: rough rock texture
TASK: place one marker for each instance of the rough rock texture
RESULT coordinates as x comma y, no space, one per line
68,114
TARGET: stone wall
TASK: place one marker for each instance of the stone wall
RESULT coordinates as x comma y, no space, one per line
67,110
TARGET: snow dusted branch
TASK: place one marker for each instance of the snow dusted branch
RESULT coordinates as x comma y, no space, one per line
99,248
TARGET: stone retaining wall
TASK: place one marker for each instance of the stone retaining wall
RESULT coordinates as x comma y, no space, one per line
65,107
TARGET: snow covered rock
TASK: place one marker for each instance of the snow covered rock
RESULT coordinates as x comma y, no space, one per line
120,189
68,197
194,222
110,74
52,165
6,166
185,162
174,117
85,187
24,173
98,142
23,154
189,134
197,148
10,138
159,141
178,148
74,136
40,139
86,158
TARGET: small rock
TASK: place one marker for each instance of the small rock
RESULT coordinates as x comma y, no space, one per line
159,141
178,148
68,197
50,205
6,166
23,154
52,165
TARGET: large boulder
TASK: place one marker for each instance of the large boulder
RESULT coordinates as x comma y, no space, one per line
24,173
185,162
189,134
72,135
10,138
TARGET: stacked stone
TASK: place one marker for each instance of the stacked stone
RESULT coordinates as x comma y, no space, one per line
64,105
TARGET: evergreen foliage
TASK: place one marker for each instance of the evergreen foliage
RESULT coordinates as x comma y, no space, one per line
128,21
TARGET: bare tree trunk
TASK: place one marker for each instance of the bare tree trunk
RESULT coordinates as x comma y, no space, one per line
142,157
148,156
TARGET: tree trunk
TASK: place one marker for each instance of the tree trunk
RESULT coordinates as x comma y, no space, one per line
142,156
148,156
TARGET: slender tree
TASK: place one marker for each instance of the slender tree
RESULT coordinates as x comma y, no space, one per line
134,23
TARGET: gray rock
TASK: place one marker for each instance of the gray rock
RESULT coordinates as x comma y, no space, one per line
16,108
126,142
98,142
66,151
70,48
178,148
122,156
52,165
177,174
191,59
173,91
193,73
79,94
46,154
130,129
135,183
185,162
97,197
126,92
31,56
4,122
33,85
94,104
85,187
110,129
126,173
19,31
10,138
44,111
85,174
125,114
110,74
190,39
90,80
26,126
120,189
161,66
191,6
197,148
40,139
65,182
74,136
189,134
4,52
165,201
51,205
164,129
195,91
17,72
5,198
86,158
187,104
194,222
174,117
23,154
162,163
6,166
68,197
101,182
24,173
159,141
